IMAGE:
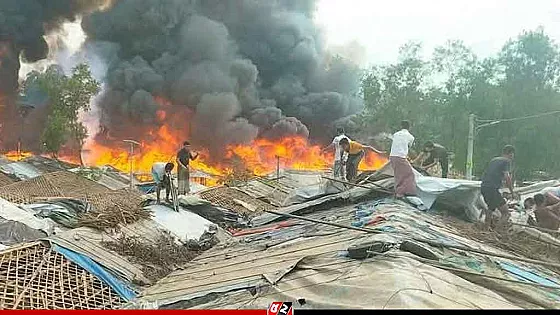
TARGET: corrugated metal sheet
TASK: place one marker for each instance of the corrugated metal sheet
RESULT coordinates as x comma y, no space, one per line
21,170
234,200
47,165
32,167
108,177
276,190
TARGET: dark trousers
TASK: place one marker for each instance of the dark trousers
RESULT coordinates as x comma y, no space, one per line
443,163
165,184
352,165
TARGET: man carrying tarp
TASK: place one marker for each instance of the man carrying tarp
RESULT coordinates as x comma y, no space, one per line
497,170
547,211
338,170
434,154
356,152
405,182
161,172
184,156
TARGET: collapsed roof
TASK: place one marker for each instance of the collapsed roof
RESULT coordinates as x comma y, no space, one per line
268,257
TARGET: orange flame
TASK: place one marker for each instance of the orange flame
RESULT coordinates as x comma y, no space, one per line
260,157
15,156
160,144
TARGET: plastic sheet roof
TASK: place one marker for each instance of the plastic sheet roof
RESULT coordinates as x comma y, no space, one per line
304,261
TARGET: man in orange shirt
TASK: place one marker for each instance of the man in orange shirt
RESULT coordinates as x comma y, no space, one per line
356,152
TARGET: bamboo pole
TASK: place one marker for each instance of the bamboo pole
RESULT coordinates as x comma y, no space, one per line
379,187
431,243
537,228
441,266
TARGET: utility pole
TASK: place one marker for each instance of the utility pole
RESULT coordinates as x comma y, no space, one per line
470,148
131,157
474,128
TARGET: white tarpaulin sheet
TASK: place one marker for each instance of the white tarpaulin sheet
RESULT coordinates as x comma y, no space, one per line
9,211
183,224
455,193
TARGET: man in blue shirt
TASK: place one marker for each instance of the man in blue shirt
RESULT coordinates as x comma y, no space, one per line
497,170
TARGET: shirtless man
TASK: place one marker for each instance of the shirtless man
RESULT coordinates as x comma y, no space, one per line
547,212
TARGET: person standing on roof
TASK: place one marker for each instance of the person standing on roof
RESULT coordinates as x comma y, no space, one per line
161,173
356,152
497,170
434,154
339,154
184,156
405,182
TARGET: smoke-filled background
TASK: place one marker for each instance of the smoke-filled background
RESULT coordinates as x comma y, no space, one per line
218,71
23,25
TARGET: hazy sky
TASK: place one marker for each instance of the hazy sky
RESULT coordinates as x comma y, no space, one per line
381,27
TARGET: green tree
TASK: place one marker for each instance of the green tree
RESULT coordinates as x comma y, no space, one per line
529,74
67,96
437,95
394,92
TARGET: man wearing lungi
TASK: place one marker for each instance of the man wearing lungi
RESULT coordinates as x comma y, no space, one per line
405,183
184,156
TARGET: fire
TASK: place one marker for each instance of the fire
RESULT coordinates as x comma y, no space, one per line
160,144
260,157
17,156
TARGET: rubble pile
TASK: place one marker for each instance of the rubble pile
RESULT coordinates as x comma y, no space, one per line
520,243
157,259
206,241
113,209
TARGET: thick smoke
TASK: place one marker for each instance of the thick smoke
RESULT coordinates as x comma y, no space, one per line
23,24
240,69
247,68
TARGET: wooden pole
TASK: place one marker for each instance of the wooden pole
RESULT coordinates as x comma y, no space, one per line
277,168
538,228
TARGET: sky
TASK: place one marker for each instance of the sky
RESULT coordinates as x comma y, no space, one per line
374,30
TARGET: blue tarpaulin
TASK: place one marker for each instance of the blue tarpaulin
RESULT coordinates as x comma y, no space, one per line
528,276
96,269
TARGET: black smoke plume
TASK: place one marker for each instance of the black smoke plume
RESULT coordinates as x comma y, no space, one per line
23,23
246,68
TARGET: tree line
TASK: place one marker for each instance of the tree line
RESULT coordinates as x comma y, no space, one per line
437,96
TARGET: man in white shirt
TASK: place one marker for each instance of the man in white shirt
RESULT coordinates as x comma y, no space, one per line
339,154
161,172
405,183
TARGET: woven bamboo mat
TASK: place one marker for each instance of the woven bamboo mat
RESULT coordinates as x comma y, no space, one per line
58,184
34,276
